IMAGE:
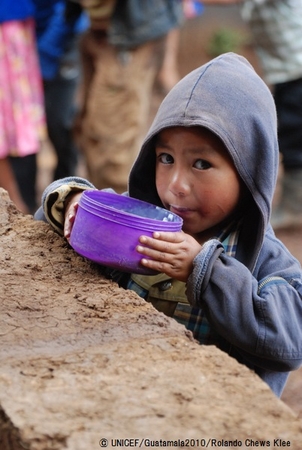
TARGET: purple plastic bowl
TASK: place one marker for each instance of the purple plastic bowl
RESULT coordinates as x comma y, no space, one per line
107,228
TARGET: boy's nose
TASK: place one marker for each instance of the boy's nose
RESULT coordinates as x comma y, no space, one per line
179,185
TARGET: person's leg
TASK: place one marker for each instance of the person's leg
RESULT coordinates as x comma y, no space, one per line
9,183
288,99
60,111
22,106
169,73
25,170
117,111
87,50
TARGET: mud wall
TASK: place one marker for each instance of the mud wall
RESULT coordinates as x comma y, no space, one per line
85,364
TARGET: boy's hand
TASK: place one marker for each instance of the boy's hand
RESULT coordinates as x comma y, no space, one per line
171,253
71,207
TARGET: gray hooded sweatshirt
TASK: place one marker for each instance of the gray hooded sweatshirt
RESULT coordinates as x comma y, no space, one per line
252,300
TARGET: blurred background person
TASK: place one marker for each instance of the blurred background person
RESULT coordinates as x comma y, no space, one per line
168,74
22,119
59,24
122,53
276,29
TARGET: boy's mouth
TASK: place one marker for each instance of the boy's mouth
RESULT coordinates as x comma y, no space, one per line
180,210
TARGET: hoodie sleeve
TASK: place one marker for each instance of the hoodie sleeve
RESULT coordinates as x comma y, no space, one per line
53,199
261,319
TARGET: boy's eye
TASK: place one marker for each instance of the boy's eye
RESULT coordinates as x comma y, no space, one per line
165,158
201,164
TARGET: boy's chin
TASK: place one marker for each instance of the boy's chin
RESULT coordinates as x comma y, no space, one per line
194,232
203,235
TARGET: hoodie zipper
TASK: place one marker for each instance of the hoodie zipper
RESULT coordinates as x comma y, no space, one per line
268,280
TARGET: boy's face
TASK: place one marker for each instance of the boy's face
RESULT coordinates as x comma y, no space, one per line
196,179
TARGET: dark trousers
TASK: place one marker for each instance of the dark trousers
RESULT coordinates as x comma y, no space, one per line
25,170
60,112
288,99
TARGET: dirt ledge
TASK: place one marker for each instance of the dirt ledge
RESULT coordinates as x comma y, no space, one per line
82,360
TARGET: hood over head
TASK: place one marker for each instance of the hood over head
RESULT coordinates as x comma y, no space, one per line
227,97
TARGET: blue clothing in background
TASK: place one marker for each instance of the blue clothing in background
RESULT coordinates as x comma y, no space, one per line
16,10
56,33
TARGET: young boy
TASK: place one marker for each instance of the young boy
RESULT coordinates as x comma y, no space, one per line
211,156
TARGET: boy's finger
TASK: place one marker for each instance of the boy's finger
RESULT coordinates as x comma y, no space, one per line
174,237
155,244
68,224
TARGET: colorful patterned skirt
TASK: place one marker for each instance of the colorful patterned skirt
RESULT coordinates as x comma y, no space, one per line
22,116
